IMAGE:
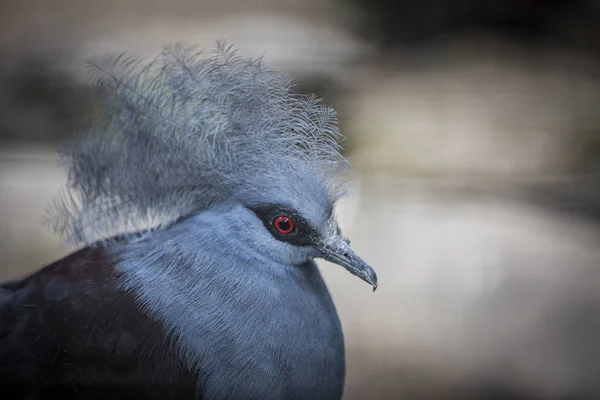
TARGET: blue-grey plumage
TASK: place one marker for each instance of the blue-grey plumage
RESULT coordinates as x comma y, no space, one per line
255,325
220,184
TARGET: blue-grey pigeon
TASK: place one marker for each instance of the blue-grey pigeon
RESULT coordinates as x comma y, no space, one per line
198,199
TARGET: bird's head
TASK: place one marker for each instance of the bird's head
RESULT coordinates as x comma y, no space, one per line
184,133
291,220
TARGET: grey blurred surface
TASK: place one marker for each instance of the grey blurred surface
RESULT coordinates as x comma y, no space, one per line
475,288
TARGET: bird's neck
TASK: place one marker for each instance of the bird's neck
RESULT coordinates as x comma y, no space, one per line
191,279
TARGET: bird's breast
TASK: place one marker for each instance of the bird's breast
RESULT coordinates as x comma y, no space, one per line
252,336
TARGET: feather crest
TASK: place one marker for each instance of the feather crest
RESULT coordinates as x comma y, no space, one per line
183,132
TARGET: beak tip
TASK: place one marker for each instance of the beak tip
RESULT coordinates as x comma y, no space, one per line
374,284
372,279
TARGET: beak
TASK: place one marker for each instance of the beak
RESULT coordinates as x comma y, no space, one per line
338,251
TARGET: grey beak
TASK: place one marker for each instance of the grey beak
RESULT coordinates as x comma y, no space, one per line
338,251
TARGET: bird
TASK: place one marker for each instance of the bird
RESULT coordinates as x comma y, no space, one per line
197,201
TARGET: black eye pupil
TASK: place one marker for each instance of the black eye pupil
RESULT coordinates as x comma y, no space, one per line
284,224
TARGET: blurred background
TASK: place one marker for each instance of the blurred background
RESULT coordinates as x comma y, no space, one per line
474,129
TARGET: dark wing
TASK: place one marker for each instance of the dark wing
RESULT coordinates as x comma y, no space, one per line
67,331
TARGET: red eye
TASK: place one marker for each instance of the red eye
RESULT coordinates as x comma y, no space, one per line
283,224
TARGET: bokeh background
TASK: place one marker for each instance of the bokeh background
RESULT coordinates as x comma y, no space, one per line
474,129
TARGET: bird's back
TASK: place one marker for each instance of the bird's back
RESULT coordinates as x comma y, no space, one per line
67,331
